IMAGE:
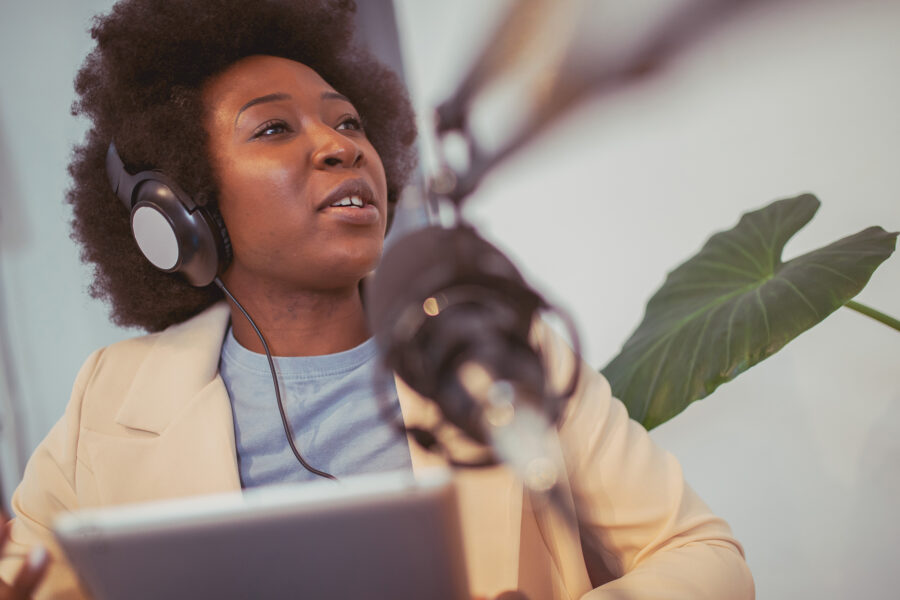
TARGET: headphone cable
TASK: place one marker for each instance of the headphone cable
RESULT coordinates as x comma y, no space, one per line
284,420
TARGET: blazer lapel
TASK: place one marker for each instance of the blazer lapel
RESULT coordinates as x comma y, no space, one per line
178,427
195,454
182,361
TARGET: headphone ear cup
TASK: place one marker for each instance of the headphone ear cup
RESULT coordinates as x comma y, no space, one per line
174,238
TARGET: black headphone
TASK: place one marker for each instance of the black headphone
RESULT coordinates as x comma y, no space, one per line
172,231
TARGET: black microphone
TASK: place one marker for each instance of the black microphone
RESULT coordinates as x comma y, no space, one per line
443,297
452,316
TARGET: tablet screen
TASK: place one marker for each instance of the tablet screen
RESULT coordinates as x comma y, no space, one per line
373,536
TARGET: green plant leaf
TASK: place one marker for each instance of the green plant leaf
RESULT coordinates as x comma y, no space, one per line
736,303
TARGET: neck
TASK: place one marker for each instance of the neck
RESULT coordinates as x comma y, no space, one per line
301,323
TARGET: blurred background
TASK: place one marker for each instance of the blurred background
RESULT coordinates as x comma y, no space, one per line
800,454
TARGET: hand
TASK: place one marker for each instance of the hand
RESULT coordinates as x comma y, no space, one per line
29,575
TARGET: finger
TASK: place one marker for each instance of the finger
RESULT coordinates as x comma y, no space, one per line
31,573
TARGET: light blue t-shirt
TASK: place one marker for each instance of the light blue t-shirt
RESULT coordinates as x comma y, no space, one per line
331,405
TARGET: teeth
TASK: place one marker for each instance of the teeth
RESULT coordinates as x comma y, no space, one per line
350,201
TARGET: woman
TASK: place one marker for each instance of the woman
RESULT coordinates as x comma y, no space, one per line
297,146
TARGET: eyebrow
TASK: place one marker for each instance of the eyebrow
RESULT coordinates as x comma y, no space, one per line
260,100
327,95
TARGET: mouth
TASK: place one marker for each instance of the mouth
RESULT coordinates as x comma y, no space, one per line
352,194
352,203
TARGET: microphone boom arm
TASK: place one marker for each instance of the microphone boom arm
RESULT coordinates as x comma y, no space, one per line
552,51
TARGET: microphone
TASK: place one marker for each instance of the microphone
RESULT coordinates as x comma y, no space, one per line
452,316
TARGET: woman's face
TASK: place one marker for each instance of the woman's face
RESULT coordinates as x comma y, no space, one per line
301,189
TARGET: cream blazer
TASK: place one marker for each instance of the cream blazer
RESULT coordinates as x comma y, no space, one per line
150,418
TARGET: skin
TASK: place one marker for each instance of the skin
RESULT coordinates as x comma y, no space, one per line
29,576
296,266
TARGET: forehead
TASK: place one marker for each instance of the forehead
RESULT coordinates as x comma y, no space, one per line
256,76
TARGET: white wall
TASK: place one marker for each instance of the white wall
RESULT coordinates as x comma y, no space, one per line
52,325
800,453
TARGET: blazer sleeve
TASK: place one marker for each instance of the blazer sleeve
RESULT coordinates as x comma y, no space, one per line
48,488
645,533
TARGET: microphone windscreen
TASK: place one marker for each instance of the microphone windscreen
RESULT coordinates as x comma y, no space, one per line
426,262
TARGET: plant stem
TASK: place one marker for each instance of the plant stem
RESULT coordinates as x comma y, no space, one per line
877,315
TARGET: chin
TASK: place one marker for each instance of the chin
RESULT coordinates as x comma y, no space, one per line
351,268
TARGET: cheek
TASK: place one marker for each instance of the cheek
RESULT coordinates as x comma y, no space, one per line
248,184
252,192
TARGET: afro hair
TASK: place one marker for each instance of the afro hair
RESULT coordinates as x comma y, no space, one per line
141,86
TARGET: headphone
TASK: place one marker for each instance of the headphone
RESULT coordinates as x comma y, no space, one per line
173,232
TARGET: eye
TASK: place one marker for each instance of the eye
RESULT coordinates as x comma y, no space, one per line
270,128
349,123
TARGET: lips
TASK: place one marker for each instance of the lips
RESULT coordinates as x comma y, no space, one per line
350,188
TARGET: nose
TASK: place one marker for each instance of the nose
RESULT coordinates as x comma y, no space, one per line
334,149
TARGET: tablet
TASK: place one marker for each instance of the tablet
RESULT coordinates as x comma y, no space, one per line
389,535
